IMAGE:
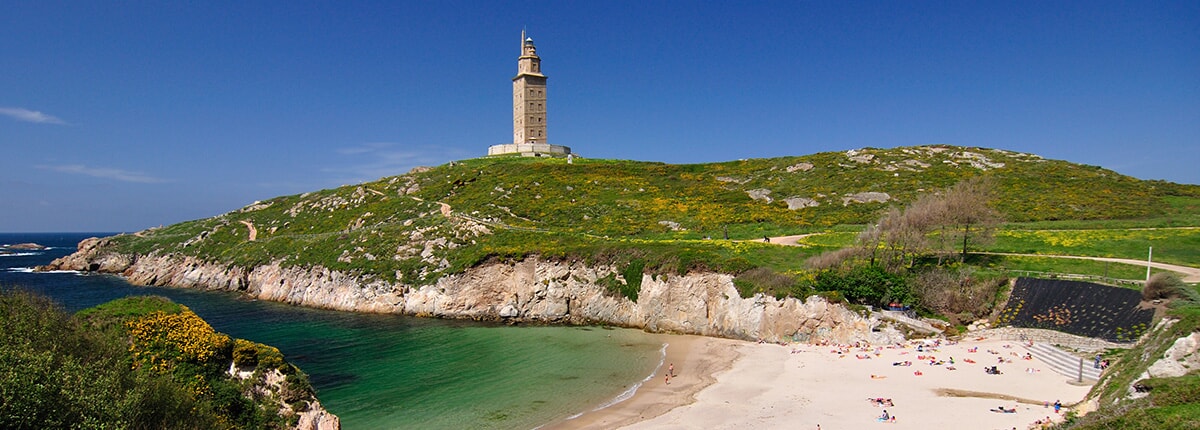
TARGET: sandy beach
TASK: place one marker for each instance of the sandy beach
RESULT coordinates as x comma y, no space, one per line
728,384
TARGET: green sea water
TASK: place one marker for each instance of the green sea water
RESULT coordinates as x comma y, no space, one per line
392,371
400,372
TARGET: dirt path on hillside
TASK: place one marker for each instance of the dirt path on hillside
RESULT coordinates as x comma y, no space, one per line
793,240
1190,274
253,231
445,206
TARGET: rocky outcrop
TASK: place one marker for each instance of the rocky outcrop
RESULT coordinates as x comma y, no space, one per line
317,418
1181,358
531,290
25,247
272,385
760,194
800,203
800,167
866,197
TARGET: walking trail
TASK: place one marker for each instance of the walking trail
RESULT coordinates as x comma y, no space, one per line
253,231
1191,275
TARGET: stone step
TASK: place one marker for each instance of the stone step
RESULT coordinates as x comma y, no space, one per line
1064,362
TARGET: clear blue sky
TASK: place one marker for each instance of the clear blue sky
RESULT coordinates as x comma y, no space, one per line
117,116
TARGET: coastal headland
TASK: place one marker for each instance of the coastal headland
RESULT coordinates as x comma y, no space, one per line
675,250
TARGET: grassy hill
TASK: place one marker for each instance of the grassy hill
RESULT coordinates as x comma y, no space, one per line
644,214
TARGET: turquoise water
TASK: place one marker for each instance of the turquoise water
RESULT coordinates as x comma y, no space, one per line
390,371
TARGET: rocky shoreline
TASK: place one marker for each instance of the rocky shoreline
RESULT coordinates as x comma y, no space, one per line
532,290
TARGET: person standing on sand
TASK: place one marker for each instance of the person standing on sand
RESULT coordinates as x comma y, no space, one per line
671,370
667,379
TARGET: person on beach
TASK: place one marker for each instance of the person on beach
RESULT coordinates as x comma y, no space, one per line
671,369
667,379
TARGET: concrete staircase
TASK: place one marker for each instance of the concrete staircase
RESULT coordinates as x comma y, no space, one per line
1064,362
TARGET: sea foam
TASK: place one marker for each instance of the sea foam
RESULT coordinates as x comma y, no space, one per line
625,395
20,254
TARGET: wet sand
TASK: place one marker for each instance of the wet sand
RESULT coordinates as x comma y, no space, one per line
698,360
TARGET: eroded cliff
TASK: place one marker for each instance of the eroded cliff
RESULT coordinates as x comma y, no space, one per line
532,290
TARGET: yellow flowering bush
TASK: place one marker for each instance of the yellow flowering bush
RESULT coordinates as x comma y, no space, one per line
159,338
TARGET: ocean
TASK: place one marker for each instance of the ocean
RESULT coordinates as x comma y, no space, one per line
392,371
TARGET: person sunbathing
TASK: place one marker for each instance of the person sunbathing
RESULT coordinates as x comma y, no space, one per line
880,401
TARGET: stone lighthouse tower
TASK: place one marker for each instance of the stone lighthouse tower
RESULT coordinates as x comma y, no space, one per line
529,108
529,96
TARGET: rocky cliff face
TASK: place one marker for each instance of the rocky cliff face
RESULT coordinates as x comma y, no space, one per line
272,385
532,290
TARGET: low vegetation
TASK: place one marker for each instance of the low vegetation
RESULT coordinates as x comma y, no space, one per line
1169,403
141,362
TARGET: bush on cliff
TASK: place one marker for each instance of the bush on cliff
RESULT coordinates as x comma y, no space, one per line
866,285
58,372
141,362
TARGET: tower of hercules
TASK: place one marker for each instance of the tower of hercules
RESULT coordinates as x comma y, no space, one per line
529,108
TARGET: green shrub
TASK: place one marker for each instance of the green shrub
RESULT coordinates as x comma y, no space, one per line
866,285
1165,285
58,373
63,371
633,273
245,353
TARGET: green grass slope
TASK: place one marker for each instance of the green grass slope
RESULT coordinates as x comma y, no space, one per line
629,213
1171,403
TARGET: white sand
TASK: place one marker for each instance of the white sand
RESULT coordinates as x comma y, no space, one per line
769,386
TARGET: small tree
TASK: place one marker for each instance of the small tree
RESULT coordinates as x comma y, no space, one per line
967,217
